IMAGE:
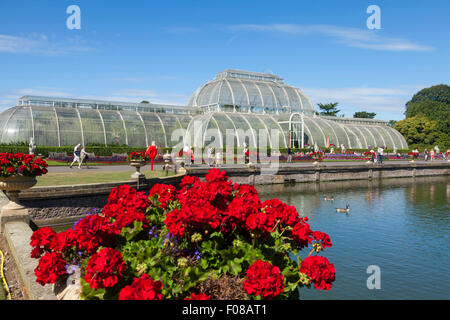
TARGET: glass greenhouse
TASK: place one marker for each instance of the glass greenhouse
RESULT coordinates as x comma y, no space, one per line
237,107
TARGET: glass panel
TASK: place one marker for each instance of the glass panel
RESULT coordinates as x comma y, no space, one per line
170,124
115,132
272,125
19,127
154,128
135,129
92,126
45,127
294,99
240,97
69,126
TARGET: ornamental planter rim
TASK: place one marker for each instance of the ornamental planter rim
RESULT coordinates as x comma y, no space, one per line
17,182
137,162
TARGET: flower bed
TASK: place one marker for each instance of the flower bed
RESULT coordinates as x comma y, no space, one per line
21,164
137,156
185,242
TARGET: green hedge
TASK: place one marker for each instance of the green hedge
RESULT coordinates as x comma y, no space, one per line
97,150
108,151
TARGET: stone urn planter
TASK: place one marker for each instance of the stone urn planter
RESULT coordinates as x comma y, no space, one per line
181,161
137,164
14,211
12,186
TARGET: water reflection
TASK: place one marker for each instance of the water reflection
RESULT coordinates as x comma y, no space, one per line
401,225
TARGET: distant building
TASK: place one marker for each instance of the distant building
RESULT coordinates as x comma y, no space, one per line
241,102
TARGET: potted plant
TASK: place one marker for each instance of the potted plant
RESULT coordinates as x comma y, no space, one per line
414,154
317,156
202,240
19,172
137,159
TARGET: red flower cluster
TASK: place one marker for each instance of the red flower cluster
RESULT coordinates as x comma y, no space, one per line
264,279
163,193
320,270
104,268
200,296
21,164
40,241
51,266
137,156
143,288
126,205
323,238
94,231
217,204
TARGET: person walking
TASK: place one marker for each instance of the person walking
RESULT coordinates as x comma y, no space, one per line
246,154
76,156
380,154
289,151
426,154
210,152
218,158
84,157
431,154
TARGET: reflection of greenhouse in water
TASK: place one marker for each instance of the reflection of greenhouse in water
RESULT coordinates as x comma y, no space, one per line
237,106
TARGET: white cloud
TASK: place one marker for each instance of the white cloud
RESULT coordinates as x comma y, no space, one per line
387,103
352,37
42,44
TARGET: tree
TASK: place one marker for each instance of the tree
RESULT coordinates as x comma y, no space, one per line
364,114
329,109
419,130
391,123
438,93
145,101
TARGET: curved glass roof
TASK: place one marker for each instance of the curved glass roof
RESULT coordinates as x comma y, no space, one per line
243,91
221,129
55,126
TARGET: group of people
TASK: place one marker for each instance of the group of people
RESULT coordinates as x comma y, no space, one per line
377,155
430,155
214,158
80,156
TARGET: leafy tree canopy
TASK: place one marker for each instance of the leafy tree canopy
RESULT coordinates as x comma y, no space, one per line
438,93
391,123
329,109
419,130
364,114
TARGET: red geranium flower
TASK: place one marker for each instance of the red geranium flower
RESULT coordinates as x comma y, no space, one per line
264,279
42,237
323,238
163,193
320,270
143,288
104,268
201,296
51,266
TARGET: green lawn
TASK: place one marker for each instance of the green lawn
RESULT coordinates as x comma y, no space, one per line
86,176
53,163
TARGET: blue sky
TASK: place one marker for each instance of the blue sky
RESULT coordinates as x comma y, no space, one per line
162,51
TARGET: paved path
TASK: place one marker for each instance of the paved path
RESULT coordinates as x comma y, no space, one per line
146,168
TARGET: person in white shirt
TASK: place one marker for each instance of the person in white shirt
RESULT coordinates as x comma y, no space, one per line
210,156
76,156
380,154
218,158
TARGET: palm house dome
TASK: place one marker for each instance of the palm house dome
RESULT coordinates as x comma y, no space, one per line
250,92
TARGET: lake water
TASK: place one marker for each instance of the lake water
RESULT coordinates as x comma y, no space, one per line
400,225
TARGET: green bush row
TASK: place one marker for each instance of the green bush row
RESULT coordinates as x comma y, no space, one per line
108,151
